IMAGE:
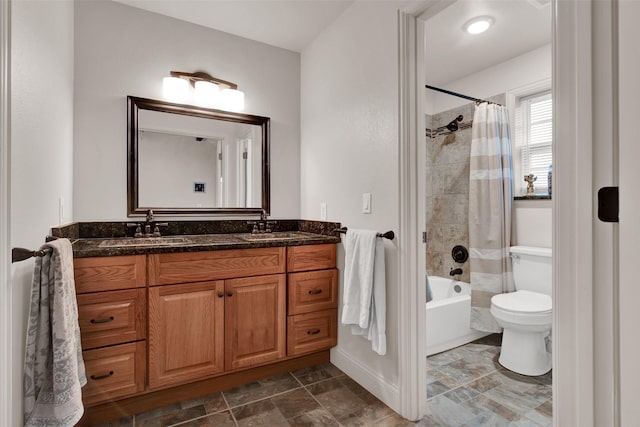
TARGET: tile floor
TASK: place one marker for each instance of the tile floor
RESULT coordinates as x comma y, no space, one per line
318,396
465,387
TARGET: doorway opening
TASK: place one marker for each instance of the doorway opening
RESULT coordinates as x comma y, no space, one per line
509,65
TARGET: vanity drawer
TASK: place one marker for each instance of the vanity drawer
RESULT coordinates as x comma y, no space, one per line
114,372
167,269
311,257
112,317
312,331
312,291
109,273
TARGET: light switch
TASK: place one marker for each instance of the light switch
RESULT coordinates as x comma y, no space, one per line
366,203
60,210
323,211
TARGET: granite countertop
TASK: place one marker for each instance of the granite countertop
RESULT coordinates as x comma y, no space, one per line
96,239
83,248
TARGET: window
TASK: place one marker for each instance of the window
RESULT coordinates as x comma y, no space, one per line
533,142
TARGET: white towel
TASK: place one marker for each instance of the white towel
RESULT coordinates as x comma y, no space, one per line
364,296
53,366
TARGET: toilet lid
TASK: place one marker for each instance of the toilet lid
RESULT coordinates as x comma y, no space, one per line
523,302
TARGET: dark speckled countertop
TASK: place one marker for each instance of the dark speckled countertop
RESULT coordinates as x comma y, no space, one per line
112,238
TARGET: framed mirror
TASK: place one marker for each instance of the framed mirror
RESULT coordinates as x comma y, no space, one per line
189,160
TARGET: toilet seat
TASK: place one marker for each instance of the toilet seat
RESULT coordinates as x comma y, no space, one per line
523,302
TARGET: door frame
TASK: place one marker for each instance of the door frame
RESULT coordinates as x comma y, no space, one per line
625,12
573,316
6,380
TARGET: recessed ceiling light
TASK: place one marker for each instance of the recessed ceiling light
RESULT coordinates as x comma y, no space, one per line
478,24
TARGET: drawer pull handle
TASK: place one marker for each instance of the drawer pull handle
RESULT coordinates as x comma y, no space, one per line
315,292
106,320
220,294
230,294
313,332
101,377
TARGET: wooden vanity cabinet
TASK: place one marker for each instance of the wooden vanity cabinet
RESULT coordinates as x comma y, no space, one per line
312,282
112,313
200,322
198,329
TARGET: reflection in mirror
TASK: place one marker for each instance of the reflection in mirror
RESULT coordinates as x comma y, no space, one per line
192,160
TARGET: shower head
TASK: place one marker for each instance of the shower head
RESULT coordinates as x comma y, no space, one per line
453,124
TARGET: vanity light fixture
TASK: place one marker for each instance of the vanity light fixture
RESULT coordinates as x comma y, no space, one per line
208,91
478,25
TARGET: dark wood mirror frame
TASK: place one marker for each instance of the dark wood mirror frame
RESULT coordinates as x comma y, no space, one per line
134,104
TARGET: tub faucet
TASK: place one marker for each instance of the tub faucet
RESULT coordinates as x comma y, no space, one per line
455,271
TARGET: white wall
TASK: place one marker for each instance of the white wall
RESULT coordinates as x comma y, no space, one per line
531,219
349,146
170,165
522,70
41,148
123,51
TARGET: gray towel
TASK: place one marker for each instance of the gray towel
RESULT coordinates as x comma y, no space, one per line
53,365
429,294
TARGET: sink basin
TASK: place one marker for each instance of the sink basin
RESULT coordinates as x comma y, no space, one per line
145,241
277,235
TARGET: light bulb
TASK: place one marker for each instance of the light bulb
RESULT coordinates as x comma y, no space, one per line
478,25
175,89
206,93
232,100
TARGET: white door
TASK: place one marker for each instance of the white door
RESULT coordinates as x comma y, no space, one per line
629,156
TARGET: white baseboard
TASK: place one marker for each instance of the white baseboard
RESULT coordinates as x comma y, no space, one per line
371,380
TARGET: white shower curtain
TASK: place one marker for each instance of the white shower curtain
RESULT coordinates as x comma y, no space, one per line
490,201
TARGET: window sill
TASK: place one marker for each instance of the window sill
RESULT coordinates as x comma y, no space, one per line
534,197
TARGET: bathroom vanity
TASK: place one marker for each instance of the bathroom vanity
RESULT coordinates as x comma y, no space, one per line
177,317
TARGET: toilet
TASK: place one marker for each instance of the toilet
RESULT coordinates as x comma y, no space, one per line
525,315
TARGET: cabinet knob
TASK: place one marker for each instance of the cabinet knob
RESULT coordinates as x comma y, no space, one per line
313,332
315,292
230,294
106,320
101,377
220,294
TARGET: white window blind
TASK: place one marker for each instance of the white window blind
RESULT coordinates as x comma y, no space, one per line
533,118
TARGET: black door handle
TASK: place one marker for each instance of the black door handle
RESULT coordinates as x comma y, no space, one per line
106,320
101,377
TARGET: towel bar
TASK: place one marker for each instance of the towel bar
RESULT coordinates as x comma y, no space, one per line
21,254
387,235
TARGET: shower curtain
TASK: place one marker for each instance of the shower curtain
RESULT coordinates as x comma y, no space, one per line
490,199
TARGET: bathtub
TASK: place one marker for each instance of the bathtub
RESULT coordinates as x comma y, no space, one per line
448,315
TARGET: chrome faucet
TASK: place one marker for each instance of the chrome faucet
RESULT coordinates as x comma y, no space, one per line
149,225
262,225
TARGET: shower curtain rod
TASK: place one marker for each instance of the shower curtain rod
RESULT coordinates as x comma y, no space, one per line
459,95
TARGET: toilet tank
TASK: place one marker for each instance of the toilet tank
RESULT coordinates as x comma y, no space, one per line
532,269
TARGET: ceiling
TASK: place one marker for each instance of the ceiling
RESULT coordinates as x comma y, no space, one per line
289,24
520,26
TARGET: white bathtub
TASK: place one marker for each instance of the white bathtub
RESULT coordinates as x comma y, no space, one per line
448,315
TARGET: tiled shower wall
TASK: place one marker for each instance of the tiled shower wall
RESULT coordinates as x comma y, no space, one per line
447,188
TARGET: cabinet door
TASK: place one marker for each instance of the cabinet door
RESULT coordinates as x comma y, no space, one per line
255,320
186,327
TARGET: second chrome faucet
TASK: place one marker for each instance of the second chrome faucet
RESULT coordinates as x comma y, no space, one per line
262,225
149,225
